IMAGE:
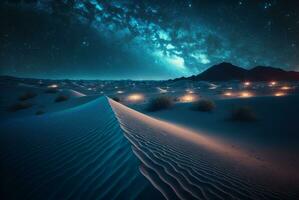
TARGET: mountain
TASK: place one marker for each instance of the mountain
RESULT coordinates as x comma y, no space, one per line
222,72
227,71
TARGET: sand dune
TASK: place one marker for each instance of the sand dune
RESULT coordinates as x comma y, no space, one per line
76,153
182,164
42,101
104,150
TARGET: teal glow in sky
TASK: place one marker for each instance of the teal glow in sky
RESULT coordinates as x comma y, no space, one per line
124,39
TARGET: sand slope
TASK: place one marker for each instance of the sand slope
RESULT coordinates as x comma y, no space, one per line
183,164
104,150
274,137
78,153
43,101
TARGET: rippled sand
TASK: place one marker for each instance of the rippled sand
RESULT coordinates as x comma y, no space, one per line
182,164
104,150
79,153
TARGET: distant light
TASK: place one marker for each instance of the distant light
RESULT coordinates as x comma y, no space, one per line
53,86
273,83
120,92
247,83
228,94
188,98
285,88
135,97
279,94
246,94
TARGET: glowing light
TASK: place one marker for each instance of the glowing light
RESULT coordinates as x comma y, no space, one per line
273,83
246,94
247,83
285,88
188,98
53,86
120,92
279,94
228,94
135,97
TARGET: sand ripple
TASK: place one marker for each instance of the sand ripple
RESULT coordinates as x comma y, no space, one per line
79,153
181,169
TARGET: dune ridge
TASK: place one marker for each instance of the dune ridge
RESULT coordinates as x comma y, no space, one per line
78,153
105,150
184,166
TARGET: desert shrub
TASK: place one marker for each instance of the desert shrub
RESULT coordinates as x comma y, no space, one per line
39,112
204,105
159,103
61,98
19,106
27,95
117,99
243,113
176,99
51,90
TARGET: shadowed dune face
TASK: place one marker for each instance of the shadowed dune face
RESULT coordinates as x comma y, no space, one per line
78,153
183,164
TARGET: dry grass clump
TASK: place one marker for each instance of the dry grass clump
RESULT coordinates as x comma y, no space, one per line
27,95
19,106
61,98
51,90
115,98
244,114
160,103
204,105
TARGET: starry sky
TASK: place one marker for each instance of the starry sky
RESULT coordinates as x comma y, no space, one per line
144,39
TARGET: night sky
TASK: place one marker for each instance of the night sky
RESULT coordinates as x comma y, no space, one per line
144,39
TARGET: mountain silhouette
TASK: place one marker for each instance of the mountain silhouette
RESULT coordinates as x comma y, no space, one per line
227,72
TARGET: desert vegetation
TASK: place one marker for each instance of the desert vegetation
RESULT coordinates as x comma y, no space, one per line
160,103
27,95
204,105
116,98
61,98
243,113
51,90
19,106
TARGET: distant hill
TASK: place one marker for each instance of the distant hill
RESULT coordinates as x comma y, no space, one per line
227,72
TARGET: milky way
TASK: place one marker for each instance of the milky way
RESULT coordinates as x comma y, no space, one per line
145,39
